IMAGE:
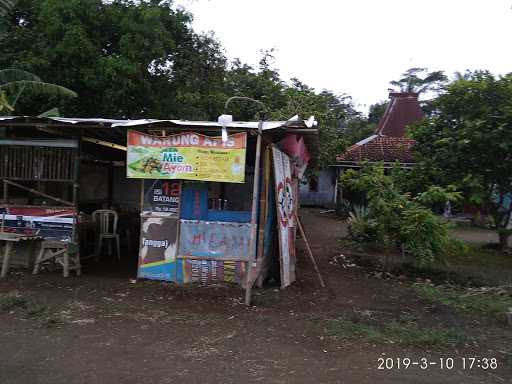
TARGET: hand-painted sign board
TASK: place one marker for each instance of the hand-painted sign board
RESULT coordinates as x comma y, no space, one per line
162,196
214,240
187,156
286,210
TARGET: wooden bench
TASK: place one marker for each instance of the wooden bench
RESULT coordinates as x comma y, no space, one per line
10,239
59,252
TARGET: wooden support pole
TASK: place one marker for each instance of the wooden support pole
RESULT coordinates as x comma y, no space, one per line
7,256
303,235
105,143
254,214
263,214
36,192
6,192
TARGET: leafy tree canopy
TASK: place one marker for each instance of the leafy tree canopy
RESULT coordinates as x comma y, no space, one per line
123,58
468,142
136,59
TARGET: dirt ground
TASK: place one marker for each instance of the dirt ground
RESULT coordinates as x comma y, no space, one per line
106,328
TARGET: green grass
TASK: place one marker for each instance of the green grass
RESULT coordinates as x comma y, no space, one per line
479,254
14,300
396,333
486,304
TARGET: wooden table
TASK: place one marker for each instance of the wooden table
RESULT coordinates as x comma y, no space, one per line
9,239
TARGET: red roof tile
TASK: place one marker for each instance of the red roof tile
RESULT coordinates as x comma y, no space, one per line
380,148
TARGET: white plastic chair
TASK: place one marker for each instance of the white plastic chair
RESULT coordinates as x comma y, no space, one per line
107,225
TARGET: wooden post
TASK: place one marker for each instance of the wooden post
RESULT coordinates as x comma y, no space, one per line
263,213
255,194
303,235
7,256
6,192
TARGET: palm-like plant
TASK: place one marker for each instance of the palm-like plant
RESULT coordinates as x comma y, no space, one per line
15,82
413,81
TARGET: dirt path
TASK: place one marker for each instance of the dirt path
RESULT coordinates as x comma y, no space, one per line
110,330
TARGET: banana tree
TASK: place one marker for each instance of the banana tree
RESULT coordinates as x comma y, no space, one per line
15,82
6,6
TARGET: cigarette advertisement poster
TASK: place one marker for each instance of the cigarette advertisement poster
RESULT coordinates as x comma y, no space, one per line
162,196
49,223
157,255
187,156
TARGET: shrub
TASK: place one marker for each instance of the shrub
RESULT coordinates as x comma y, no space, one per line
362,227
394,219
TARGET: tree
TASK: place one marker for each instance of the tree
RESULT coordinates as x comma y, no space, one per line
468,142
283,101
124,58
376,111
419,80
357,129
137,59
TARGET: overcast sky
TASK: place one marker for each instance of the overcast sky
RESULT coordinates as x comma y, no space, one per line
358,46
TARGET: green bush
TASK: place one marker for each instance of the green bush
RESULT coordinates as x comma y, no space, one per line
362,228
396,220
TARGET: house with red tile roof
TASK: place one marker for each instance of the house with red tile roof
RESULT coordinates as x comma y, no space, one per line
388,144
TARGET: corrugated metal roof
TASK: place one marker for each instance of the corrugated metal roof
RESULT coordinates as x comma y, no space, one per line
267,125
114,130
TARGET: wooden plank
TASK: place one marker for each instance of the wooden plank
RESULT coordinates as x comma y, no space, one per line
34,191
105,143
263,214
216,258
7,256
255,192
9,236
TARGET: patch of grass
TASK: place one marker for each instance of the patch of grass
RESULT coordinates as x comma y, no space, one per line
480,254
13,300
396,333
486,304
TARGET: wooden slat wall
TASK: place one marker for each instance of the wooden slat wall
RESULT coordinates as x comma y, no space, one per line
37,163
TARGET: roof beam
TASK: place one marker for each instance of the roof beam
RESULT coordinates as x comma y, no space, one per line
104,143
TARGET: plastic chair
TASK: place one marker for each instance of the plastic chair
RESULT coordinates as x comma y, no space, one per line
107,224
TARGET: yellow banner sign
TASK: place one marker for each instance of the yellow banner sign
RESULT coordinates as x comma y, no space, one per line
187,156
